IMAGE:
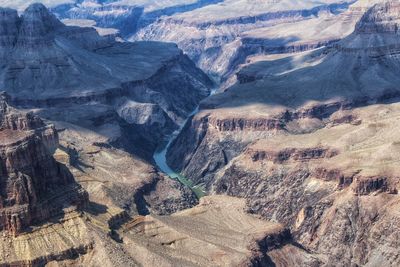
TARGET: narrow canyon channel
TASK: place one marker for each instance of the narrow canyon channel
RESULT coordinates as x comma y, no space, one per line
160,158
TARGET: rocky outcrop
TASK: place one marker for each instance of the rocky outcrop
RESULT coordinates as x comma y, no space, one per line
164,196
238,124
336,175
368,185
294,154
66,240
35,26
34,187
381,19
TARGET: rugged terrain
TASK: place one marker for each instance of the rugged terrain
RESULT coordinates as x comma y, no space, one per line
218,35
297,152
84,191
110,102
75,75
222,36
309,139
47,219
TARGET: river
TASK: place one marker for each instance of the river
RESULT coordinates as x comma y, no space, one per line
160,157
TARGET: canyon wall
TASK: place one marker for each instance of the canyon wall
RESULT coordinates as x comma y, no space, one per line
34,187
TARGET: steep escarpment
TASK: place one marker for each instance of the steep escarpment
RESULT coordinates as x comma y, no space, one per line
380,20
111,103
310,141
34,187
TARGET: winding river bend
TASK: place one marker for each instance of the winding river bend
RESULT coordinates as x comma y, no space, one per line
160,158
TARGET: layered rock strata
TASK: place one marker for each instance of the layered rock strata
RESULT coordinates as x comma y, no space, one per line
34,186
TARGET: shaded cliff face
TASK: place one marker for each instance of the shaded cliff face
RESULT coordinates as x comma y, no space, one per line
47,58
34,187
220,35
310,140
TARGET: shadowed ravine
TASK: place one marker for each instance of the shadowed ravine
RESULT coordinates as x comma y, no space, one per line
160,158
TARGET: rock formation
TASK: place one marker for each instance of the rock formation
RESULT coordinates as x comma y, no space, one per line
34,187
300,156
146,87
222,36
219,44
310,140
217,232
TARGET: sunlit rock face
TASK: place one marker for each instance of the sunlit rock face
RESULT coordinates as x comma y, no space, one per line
34,187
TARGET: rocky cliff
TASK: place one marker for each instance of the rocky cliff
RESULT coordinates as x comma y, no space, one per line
216,232
34,187
310,140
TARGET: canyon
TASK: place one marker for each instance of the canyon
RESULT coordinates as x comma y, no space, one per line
44,207
199,133
81,116
309,140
